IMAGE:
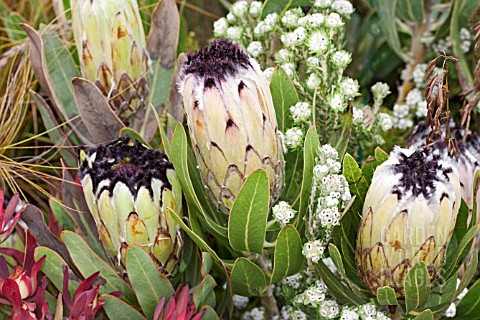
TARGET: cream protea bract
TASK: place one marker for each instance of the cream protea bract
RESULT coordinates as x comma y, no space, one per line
130,191
409,216
112,51
231,119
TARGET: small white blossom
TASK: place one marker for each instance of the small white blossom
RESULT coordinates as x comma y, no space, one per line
283,212
290,18
284,56
293,138
465,46
322,4
385,120
268,73
313,81
271,18
318,42
313,62
327,151
341,59
289,39
358,116
418,75
298,315
368,310
234,33
300,33
400,117
220,27
289,68
255,9
293,281
334,21
231,18
257,313
300,111
451,311
313,250
240,302
349,88
255,48
400,110
343,7
465,34
239,9
315,19
303,21
348,313
414,97
380,90
314,295
329,309
421,109
329,217
335,102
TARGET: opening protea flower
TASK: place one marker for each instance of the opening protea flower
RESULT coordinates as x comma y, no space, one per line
409,216
111,46
130,191
231,119
180,307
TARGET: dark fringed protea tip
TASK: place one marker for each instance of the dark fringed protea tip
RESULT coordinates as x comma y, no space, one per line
231,119
214,63
130,191
409,215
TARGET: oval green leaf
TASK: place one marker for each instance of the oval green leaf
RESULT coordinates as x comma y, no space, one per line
417,287
386,296
247,278
284,96
288,258
88,262
120,310
248,218
148,283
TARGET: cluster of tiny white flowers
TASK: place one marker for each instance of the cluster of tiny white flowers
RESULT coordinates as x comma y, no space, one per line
314,295
301,112
385,120
268,73
322,4
358,116
255,48
266,26
293,138
341,59
343,7
288,313
418,75
336,103
314,250
401,117
283,212
417,103
294,281
240,302
257,313
349,88
446,43
380,90
363,312
329,309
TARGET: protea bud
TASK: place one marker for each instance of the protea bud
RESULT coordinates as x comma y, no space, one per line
231,119
409,216
112,50
130,190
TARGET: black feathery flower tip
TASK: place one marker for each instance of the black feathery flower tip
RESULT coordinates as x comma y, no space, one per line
419,172
213,63
126,161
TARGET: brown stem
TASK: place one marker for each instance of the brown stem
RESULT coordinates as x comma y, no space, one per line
270,303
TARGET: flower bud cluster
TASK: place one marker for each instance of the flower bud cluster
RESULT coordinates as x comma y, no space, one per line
283,212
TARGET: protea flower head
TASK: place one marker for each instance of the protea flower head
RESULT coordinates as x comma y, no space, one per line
409,216
180,307
231,119
130,191
111,46
468,162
